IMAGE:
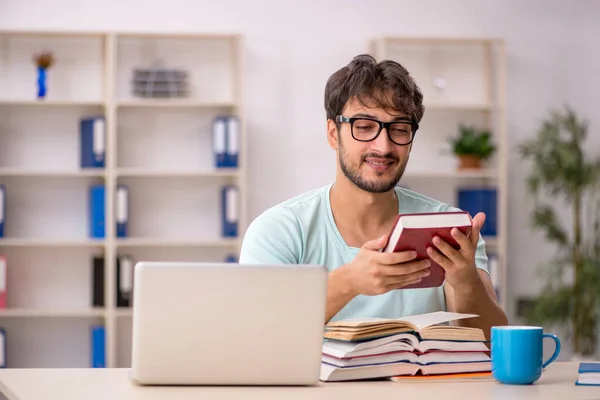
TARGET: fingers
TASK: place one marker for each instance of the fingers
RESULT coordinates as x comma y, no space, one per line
396,258
478,221
440,258
447,250
405,269
376,244
407,279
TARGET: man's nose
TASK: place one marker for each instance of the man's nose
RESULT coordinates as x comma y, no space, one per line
382,142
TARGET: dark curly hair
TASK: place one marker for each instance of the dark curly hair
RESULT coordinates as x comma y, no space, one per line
387,83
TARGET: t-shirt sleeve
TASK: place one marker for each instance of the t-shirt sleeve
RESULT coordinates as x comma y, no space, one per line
274,237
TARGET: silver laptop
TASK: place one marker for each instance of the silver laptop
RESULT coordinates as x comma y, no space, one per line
227,324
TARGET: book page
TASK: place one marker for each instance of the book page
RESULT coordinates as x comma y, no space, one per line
424,320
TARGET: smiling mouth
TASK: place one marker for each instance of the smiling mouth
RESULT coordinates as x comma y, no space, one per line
381,163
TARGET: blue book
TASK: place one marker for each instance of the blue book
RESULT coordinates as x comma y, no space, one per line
122,210
233,142
229,211
93,142
219,141
97,200
477,200
589,374
2,209
98,347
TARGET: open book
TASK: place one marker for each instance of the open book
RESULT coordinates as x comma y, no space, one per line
426,326
402,342
331,373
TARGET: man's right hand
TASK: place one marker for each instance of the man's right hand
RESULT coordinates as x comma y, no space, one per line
373,272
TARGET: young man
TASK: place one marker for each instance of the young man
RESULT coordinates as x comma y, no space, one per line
373,112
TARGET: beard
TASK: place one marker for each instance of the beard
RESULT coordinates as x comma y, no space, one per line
355,176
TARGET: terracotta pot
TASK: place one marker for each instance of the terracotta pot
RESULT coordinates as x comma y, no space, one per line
469,162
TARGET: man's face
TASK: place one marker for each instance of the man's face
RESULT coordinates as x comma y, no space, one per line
374,166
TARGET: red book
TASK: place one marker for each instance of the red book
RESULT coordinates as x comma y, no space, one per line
416,232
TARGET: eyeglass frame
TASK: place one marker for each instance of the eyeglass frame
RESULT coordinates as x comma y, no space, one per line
414,126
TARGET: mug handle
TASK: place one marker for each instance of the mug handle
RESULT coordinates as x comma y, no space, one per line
556,349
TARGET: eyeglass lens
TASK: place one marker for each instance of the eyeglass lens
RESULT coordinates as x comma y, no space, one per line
365,130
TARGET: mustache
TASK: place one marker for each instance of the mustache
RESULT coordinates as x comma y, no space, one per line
386,157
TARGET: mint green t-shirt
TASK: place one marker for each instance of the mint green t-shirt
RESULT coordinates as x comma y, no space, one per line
302,230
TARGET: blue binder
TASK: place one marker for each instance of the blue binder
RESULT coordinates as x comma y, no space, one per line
229,211
231,258
98,347
2,209
93,142
233,142
97,200
122,210
480,200
219,141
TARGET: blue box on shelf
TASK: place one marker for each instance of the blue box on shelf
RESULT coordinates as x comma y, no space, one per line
475,200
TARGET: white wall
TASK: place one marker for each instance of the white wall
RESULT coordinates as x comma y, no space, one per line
293,46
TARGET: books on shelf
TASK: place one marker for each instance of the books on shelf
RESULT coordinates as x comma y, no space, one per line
588,374
416,232
424,344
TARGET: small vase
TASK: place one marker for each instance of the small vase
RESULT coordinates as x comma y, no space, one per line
469,162
41,83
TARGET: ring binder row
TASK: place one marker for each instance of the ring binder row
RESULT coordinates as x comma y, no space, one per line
123,277
230,211
225,141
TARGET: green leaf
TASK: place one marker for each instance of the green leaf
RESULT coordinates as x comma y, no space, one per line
472,141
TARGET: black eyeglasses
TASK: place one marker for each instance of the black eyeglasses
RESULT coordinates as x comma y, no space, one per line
401,132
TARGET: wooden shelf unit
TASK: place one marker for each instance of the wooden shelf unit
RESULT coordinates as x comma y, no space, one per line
160,147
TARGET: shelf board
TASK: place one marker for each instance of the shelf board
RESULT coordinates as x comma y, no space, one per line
39,242
124,312
454,174
32,173
173,103
168,242
41,312
51,103
154,173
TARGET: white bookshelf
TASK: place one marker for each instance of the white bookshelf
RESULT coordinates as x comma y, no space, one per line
161,148
474,74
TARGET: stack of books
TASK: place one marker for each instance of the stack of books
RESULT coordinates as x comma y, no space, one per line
423,344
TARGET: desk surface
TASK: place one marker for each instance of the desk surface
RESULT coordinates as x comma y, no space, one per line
557,382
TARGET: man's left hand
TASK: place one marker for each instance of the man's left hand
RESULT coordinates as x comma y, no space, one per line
459,264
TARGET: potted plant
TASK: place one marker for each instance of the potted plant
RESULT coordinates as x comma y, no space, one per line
472,146
562,172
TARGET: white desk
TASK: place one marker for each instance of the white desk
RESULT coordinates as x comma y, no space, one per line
558,382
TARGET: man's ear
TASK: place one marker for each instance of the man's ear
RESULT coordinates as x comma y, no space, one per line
332,136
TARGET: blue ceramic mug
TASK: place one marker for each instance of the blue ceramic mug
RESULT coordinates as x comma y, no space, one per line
517,353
